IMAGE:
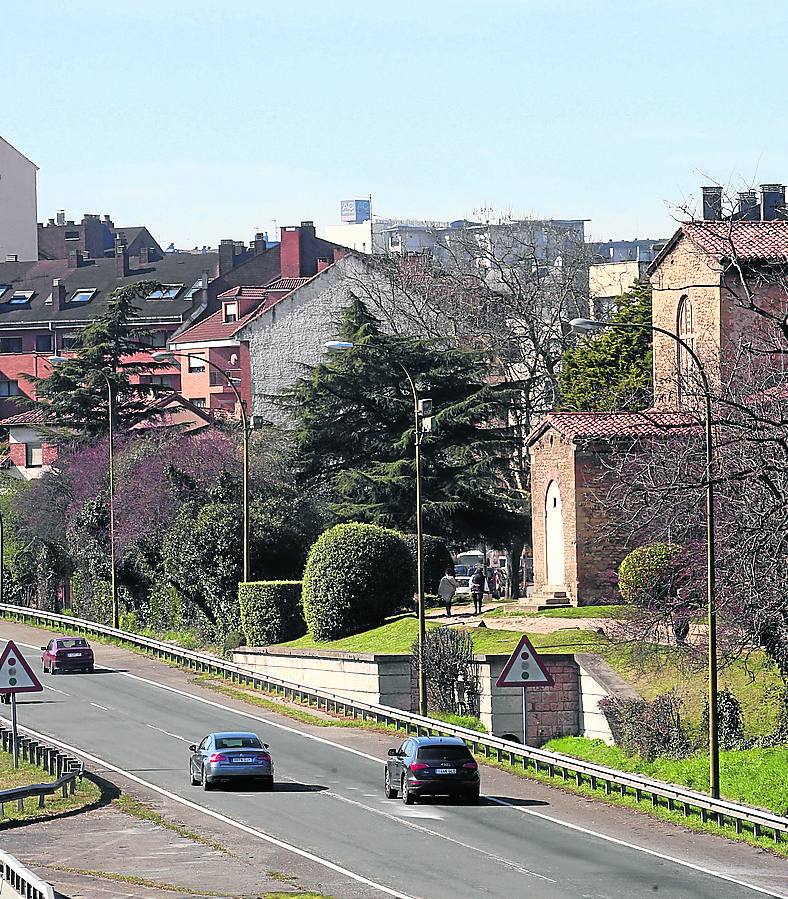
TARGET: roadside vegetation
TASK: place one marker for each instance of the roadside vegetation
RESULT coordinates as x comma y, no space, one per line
86,794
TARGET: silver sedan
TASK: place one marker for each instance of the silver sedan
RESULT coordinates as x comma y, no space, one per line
222,757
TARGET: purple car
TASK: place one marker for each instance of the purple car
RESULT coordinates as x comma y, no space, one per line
66,654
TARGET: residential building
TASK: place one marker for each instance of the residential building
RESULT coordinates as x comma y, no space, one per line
94,237
18,240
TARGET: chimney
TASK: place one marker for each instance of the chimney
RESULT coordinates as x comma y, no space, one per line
60,217
226,256
121,258
712,204
74,259
259,243
308,228
772,201
290,252
748,205
58,295
50,221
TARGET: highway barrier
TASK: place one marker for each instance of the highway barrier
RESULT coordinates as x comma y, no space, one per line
672,796
17,882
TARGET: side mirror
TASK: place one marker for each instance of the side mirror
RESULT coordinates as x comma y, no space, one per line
394,752
44,648
193,747
265,745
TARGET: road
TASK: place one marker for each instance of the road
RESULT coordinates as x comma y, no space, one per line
329,807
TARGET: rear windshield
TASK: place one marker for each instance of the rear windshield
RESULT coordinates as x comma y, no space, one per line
73,643
445,753
238,743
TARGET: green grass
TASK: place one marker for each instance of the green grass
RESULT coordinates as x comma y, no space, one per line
145,812
469,722
609,611
86,793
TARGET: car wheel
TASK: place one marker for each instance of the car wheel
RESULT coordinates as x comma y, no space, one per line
472,797
389,791
52,669
89,669
405,793
44,666
192,779
268,783
206,784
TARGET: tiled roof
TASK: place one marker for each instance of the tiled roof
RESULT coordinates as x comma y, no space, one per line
766,241
34,416
287,283
213,328
252,293
614,424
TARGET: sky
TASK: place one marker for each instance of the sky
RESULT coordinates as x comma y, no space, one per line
206,120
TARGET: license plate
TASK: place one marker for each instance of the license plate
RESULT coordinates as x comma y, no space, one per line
74,655
242,759
445,770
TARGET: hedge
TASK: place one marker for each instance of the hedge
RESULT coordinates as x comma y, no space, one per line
649,574
356,575
271,611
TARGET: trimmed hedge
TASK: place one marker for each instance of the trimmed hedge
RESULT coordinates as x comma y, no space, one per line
271,611
649,574
356,575
437,559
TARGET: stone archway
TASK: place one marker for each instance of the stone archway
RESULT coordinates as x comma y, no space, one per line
554,536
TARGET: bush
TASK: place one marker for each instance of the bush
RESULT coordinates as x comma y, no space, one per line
648,729
730,726
649,574
356,575
271,611
448,658
437,559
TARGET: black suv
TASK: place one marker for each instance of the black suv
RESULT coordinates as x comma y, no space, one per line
431,766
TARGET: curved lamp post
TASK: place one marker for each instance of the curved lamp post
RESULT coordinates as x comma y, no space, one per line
59,360
585,326
165,356
421,420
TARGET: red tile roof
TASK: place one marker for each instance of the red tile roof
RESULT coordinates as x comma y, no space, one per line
287,283
613,424
252,293
748,241
212,328
34,416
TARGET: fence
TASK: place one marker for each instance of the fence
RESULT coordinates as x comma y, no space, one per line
17,881
720,811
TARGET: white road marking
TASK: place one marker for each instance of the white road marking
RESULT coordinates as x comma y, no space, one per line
577,827
162,731
55,690
102,707
359,878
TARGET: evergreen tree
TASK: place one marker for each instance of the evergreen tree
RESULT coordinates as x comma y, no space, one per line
75,393
354,433
611,370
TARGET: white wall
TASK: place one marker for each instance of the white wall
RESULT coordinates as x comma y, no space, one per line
18,228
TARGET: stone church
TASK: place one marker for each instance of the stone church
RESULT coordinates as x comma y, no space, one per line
710,283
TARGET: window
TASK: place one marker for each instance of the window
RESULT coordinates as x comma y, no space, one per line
230,312
198,285
196,362
239,742
72,235
685,329
84,295
165,292
445,753
170,381
198,401
10,388
44,343
71,341
20,297
158,338
33,455
10,344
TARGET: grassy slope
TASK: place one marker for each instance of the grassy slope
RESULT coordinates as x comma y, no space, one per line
87,792
570,612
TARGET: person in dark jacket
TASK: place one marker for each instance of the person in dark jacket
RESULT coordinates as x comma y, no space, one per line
478,583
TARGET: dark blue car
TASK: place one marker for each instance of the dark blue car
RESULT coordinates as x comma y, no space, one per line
223,757
431,766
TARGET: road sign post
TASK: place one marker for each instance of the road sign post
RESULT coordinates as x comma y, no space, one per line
16,676
525,669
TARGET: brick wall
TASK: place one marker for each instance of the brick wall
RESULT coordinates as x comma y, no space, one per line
555,711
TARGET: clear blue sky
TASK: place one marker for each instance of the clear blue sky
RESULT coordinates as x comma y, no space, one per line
206,119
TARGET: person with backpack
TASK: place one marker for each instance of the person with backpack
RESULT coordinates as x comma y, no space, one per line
478,584
446,589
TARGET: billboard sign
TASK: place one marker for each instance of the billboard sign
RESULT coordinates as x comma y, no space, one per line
355,211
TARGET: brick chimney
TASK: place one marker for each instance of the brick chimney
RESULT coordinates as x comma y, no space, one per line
290,252
226,256
121,258
712,204
74,258
58,294
772,201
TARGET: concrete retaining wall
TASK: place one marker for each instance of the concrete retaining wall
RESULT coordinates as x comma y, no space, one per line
598,681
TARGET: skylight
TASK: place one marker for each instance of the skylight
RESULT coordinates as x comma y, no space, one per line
85,295
198,285
165,292
20,297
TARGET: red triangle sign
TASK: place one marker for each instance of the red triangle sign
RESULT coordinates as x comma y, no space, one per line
16,676
525,668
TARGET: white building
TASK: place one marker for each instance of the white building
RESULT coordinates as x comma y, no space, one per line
18,228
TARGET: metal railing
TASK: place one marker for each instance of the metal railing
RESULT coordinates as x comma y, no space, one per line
23,882
66,769
675,797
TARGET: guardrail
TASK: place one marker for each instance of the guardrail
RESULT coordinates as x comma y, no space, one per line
22,881
66,769
721,811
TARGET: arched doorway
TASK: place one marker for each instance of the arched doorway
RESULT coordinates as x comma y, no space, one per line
554,536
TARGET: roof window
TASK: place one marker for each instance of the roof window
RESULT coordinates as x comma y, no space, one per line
83,295
165,292
20,297
198,285
230,313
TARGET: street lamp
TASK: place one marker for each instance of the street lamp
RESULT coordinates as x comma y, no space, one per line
585,326
60,360
422,415
165,356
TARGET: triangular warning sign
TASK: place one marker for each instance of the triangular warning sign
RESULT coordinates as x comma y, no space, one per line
524,668
16,676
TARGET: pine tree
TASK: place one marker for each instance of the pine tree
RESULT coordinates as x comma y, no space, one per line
354,431
611,370
75,394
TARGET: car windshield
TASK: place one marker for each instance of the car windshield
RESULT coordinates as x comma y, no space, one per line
445,753
238,743
74,643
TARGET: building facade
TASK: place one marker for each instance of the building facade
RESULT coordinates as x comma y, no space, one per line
18,232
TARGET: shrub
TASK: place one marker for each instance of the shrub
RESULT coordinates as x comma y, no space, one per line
730,726
648,729
437,559
649,574
271,611
355,575
448,657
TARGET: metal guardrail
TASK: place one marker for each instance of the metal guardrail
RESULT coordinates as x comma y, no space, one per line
720,811
66,769
23,882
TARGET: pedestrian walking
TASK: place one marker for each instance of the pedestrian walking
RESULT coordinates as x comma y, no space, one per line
478,584
446,589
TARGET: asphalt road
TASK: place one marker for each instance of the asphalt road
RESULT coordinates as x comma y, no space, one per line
328,802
